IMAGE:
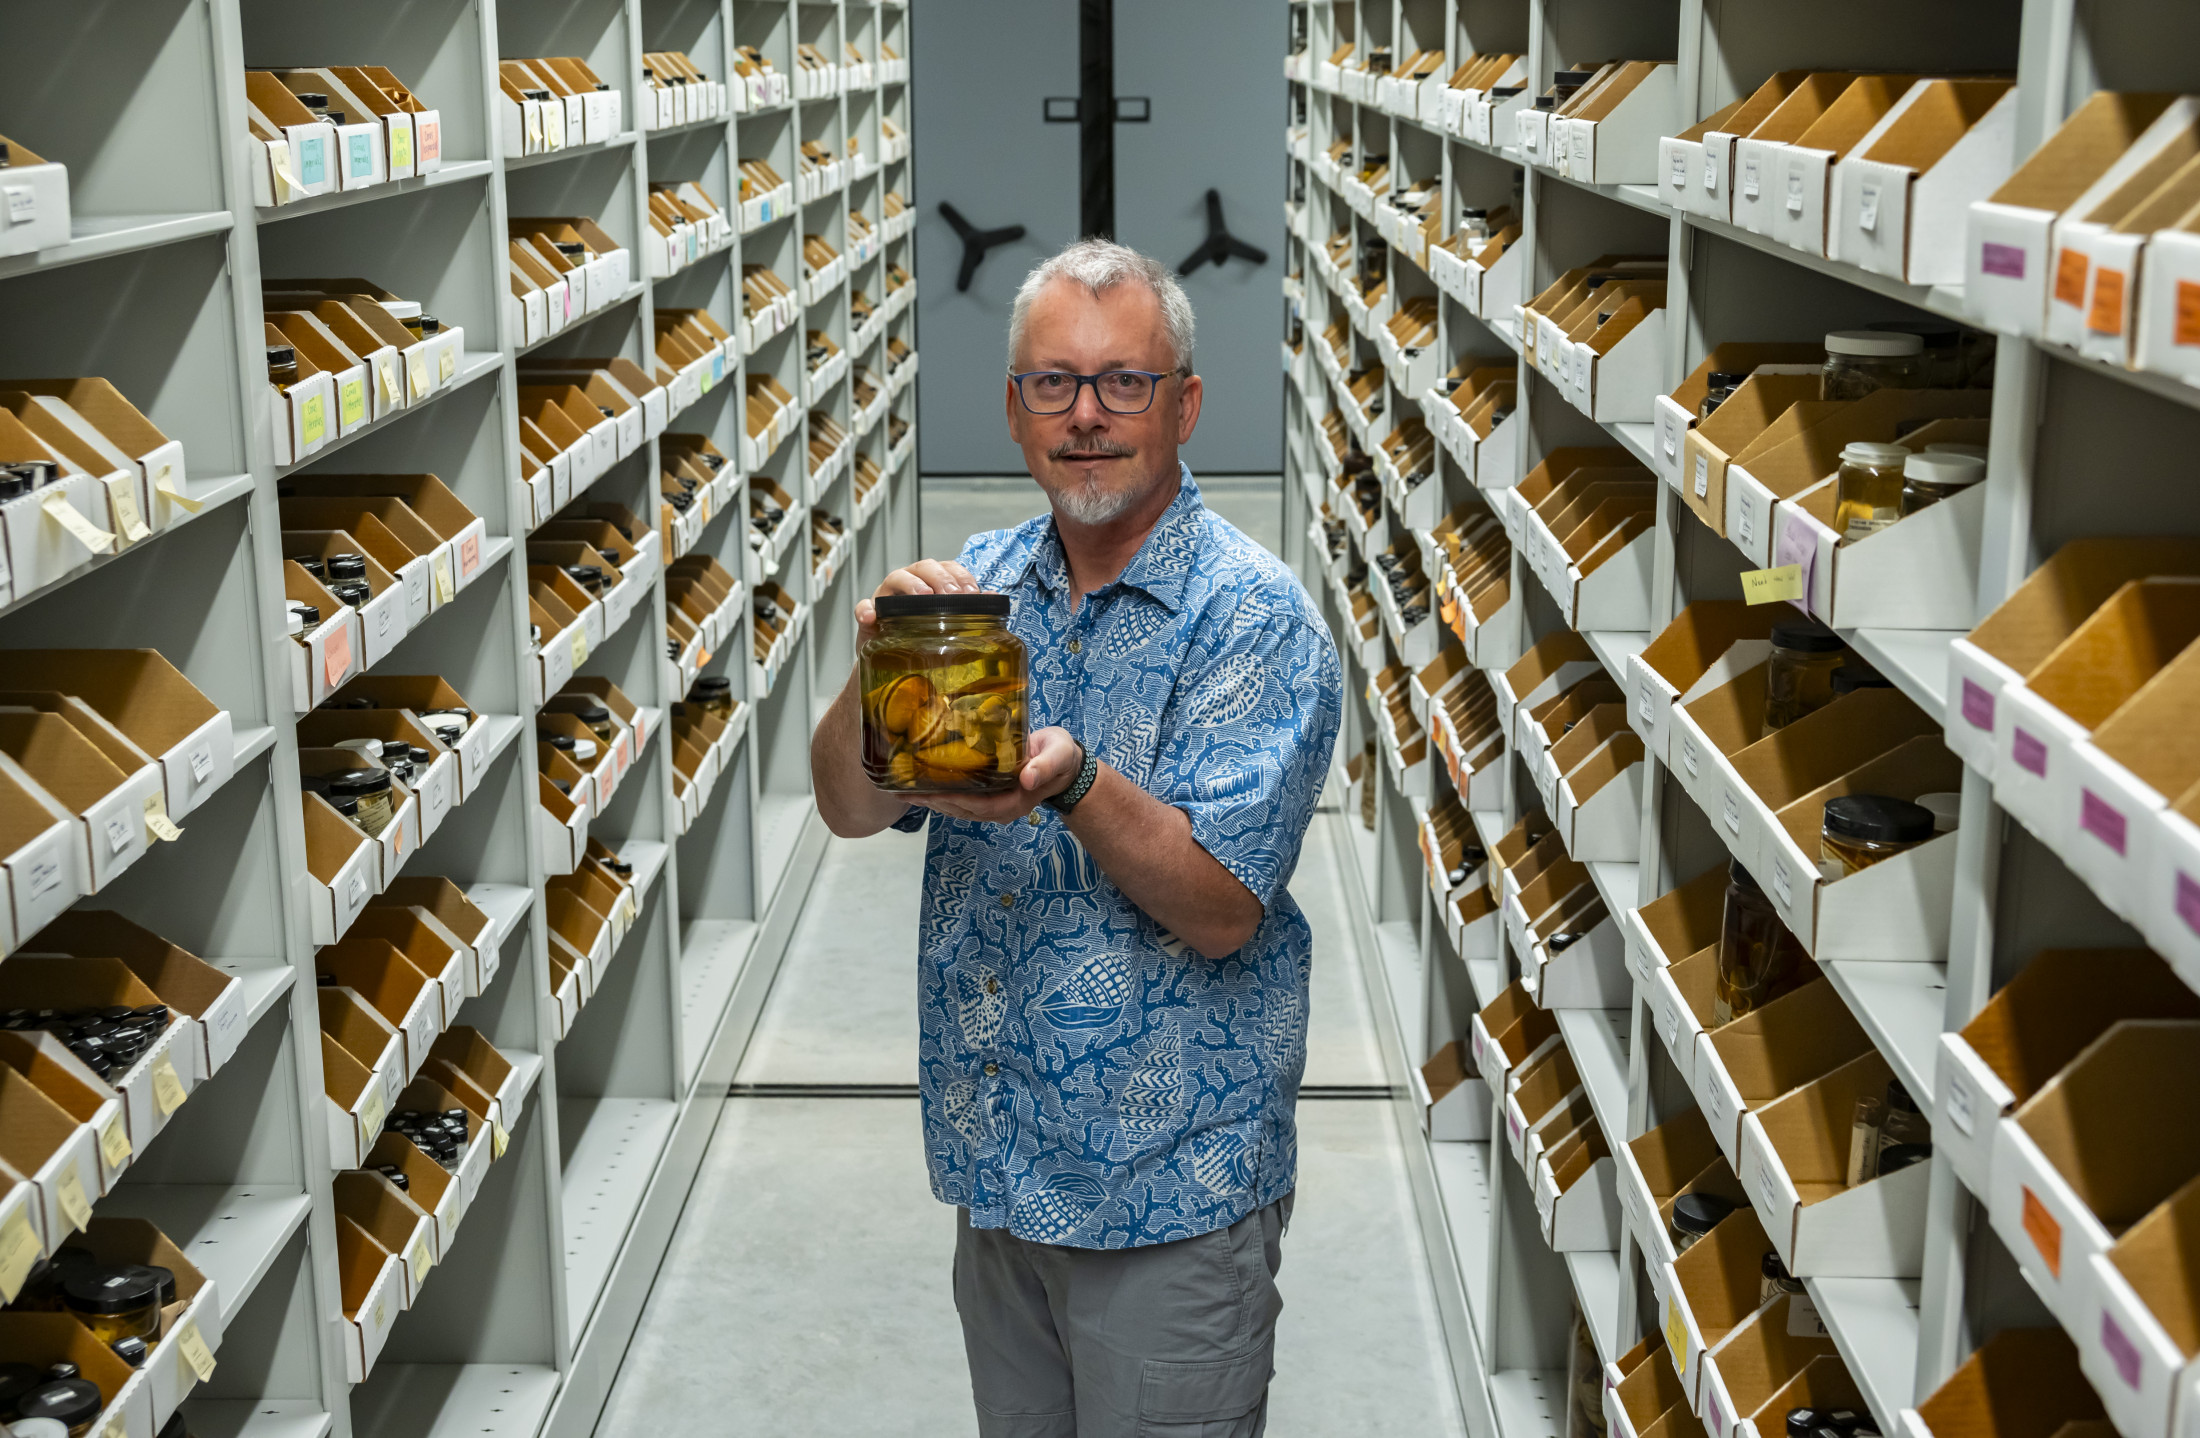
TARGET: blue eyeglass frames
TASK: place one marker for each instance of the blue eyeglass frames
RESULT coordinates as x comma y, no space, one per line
1120,391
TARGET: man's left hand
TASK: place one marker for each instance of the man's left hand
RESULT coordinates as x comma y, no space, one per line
1049,768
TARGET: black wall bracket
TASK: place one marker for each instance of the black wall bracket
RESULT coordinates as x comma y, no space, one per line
1220,246
976,242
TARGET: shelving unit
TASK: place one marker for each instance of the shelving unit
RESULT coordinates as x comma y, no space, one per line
2078,448
521,1328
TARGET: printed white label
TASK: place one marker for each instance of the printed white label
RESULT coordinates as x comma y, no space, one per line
1703,475
1959,1104
1710,169
1749,176
1680,169
1732,814
356,891
1795,192
118,833
1746,526
1689,756
1867,213
1783,883
1672,429
22,204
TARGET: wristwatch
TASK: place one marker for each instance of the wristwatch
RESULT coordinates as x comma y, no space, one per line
1080,786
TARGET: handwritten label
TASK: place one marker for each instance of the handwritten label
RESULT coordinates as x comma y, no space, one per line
1795,192
2107,315
469,554
2045,1232
1710,170
1783,882
1750,185
351,403
2005,261
166,482
1689,756
1680,169
1767,586
117,827
336,652
580,646
122,499
416,366
401,148
168,1093
114,1142
1731,813
192,1345
1676,1333
1703,475
91,536
2029,752
18,1252
75,1207
446,362
500,1139
2071,269
371,1110
362,157
2102,820
385,377
22,203
420,1260
312,421
1978,706
446,589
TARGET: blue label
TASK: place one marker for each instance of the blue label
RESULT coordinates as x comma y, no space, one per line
313,161
362,157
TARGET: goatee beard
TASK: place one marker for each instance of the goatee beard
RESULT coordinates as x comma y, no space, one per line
1085,500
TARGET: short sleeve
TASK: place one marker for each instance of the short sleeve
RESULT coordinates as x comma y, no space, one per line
1245,744
911,820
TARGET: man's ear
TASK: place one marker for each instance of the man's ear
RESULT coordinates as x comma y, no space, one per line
1015,420
1189,394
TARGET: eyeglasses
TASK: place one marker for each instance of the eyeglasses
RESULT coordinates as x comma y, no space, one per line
1120,391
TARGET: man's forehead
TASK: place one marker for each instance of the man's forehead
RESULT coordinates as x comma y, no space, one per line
1066,312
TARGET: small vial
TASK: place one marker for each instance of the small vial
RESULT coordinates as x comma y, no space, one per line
282,367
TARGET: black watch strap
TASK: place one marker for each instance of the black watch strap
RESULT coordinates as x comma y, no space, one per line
1080,786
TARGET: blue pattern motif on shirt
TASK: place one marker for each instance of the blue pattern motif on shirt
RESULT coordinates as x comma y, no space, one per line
1142,1093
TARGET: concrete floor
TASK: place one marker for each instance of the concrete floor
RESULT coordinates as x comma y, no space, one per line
806,1288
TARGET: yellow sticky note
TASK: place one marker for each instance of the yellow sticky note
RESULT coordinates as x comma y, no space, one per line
416,365
114,1142
192,1345
118,1423
279,154
580,646
385,375
446,362
312,421
157,822
75,1207
122,498
370,1113
352,402
18,1252
168,1093
91,536
499,1140
445,588
165,482
420,1260
401,148
1765,586
1676,1333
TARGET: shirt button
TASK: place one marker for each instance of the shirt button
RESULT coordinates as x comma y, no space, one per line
1008,901
1032,818
992,986
992,1069
1075,647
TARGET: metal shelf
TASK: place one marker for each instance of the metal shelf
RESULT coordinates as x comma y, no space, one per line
211,495
612,1147
96,237
457,172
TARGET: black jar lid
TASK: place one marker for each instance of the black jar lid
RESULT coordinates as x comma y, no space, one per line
282,354
344,804
1725,378
312,564
108,1289
1901,1155
313,99
131,1350
1807,636
592,714
1800,1422
1699,1213
1898,1098
358,783
1878,818
347,566
710,686
1854,675
563,743
900,606
1771,1267
70,1401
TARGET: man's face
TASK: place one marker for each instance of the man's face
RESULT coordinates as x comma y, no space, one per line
1095,464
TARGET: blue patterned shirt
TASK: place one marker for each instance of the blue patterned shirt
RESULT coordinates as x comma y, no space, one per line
1088,1079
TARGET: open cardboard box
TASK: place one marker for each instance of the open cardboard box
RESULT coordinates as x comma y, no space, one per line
561,829
2010,232
461,531
2117,822
43,1143
436,788
448,913
154,1087
387,529
39,856
322,356
1741,428
1713,176
80,761
44,1339
1682,1001
2088,1155
2020,1383
183,981
1708,1292
150,702
194,1318
415,694
1640,1389
1547,1103
399,839
1507,1033
1677,923
1892,911
1903,194
40,218
52,531
1744,1065
1795,1159
2094,254
431,1188
1654,1169
1757,194
1551,664
1455,1105
328,653
384,619
90,421
1851,123
1600,782
2136,1337
1708,644
2042,612
2086,678
1764,1353
360,1056
381,975
1575,1181
346,866
372,1287
294,153
1674,415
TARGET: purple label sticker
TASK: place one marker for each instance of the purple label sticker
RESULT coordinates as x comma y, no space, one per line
2004,260
2188,901
2102,820
2122,1352
1797,544
2029,753
1978,706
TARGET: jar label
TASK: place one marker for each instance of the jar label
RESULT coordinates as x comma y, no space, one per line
2030,753
2102,820
1978,706
2006,261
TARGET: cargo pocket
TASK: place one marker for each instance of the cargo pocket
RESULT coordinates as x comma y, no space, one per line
1204,1400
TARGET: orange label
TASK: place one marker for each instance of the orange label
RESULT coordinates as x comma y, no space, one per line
2046,1234
2070,268
2188,313
2107,314
336,654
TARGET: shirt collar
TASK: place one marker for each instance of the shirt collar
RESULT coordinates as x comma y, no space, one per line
1159,569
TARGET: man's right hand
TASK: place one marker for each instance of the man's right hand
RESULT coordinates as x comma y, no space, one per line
926,576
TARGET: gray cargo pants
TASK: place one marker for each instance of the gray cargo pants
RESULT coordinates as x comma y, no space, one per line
1172,1340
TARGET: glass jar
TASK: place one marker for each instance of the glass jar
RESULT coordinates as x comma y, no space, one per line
945,695
1946,807
1860,830
1719,388
65,1397
1929,478
370,789
713,692
1694,1215
1904,1125
115,1301
1759,960
1864,1123
1474,225
1773,1278
598,720
1799,676
1949,446
406,313
1942,361
1855,675
1869,487
282,367
1860,361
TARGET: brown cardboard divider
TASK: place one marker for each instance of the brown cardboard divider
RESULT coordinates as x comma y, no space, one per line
2020,1383
2121,1123
2061,1001
2159,1256
1820,747
1673,1153
1685,918
44,1339
1720,1275
2047,608
1789,1042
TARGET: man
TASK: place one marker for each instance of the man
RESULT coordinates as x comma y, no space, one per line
1113,980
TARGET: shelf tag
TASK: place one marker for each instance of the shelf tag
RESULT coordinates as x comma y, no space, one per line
192,1345
416,365
1750,187
22,204
419,1260
114,1142
312,421
168,1094
351,403
75,1207
1867,212
91,536
1765,586
122,497
2071,268
500,1139
18,1252
445,588
1795,192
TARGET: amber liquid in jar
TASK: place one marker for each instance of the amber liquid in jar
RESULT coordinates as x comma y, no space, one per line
945,695
1759,960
